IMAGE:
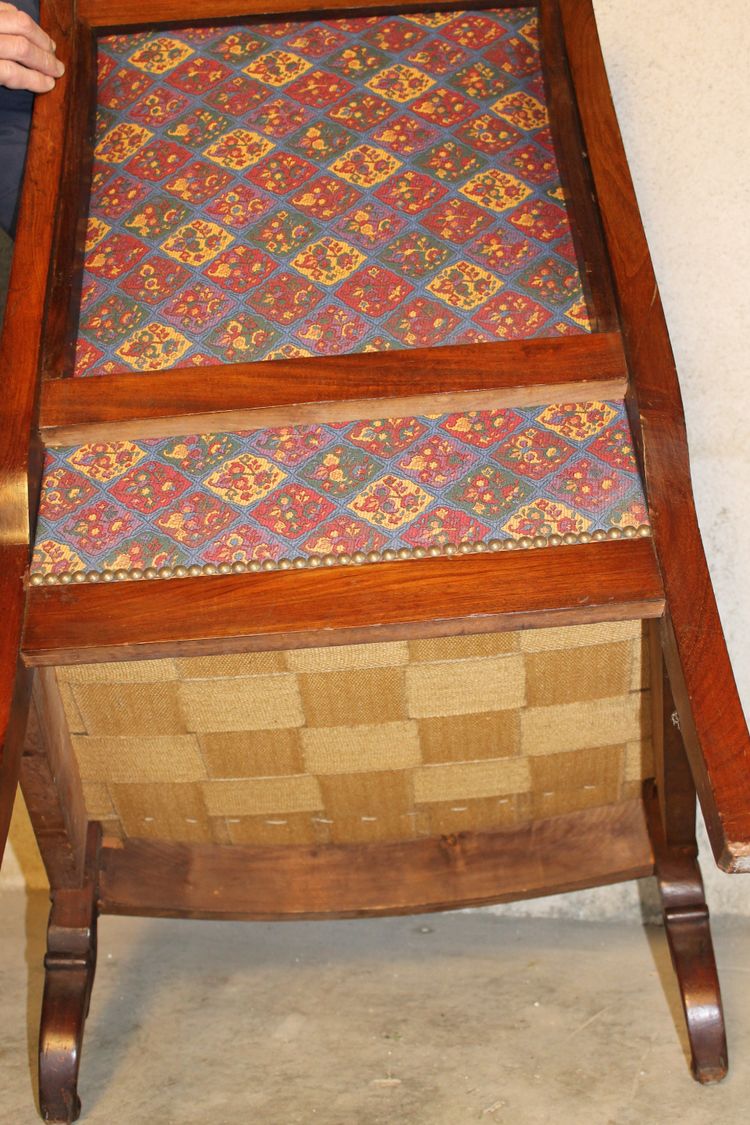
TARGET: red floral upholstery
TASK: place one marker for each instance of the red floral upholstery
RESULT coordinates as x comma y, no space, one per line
286,189
340,490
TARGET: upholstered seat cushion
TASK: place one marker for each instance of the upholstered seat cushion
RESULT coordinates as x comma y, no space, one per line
286,189
344,492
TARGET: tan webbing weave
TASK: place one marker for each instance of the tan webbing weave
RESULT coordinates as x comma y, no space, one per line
366,742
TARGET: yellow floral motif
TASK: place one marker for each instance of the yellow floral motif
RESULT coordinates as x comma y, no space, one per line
336,324
504,310
371,228
161,55
578,421
141,220
103,461
328,261
197,242
288,351
55,558
95,232
521,110
365,165
400,83
496,190
277,68
579,313
120,143
153,348
530,31
235,46
390,502
245,479
379,344
316,199
464,285
316,143
431,19
238,149
545,517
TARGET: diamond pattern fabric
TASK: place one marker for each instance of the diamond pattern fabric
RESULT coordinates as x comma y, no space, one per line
338,489
274,190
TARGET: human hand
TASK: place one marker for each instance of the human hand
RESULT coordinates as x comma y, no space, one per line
27,54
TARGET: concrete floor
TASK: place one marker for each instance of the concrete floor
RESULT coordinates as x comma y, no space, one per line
435,1020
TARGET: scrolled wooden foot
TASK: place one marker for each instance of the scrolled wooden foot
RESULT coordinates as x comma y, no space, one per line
69,966
671,811
689,936
688,929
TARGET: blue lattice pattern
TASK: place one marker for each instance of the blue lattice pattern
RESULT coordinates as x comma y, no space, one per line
338,490
273,190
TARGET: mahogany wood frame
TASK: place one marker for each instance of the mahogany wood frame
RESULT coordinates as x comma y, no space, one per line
664,578
619,275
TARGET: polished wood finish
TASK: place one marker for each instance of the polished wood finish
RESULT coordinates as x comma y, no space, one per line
711,718
12,745
69,967
334,388
564,853
688,930
51,786
520,589
671,817
575,175
133,13
20,459
66,270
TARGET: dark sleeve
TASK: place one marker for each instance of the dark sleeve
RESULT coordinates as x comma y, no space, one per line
15,117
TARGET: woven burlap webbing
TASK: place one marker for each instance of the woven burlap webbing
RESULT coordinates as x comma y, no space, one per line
370,742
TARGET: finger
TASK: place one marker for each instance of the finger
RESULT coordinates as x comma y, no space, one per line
13,22
16,77
16,48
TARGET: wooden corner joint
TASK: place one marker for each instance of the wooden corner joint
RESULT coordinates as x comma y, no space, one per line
735,859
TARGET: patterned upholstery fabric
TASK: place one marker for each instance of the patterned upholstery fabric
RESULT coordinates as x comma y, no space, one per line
365,742
337,489
285,189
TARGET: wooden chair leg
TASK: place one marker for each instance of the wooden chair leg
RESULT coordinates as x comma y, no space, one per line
69,965
671,813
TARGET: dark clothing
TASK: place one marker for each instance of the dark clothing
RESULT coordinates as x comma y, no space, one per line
15,118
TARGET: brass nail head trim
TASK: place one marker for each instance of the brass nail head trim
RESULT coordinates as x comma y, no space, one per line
358,558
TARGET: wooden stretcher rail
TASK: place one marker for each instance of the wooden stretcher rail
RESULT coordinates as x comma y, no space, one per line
564,853
701,676
332,389
608,581
133,13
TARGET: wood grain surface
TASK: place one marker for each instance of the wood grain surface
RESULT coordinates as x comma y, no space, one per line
583,849
334,388
700,673
608,581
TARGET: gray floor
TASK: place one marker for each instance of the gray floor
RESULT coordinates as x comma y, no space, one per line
437,1020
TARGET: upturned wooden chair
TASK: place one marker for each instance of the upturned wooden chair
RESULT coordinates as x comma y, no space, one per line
349,559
